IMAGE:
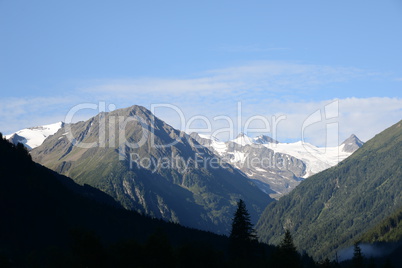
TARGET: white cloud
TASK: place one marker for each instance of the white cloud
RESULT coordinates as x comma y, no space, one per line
364,117
266,76
263,88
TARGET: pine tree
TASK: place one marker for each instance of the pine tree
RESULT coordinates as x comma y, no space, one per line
287,252
243,241
287,243
242,228
357,259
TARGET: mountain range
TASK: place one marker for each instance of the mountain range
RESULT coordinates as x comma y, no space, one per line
277,168
168,176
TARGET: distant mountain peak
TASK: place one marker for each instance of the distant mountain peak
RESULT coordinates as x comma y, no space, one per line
139,108
241,135
243,139
351,144
264,139
15,138
135,110
34,136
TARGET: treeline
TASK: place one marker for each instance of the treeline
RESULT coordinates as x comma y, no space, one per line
86,249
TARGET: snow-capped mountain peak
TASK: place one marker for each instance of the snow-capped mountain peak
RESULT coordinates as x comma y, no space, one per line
242,139
351,144
34,136
263,139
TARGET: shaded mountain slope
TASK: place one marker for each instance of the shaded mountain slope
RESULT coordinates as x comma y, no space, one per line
42,211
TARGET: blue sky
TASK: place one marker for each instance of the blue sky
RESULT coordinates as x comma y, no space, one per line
275,57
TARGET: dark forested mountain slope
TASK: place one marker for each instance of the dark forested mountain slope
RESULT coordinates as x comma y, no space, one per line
334,208
168,175
46,215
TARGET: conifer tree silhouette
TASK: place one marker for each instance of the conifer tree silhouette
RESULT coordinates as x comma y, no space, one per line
242,237
242,228
358,258
287,253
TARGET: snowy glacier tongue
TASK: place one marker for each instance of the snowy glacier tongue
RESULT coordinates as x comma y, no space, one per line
275,167
35,136
315,158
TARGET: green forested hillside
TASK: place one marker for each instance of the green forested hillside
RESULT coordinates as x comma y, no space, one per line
388,230
332,209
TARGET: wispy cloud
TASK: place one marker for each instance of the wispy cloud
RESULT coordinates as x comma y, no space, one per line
364,117
269,77
265,88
